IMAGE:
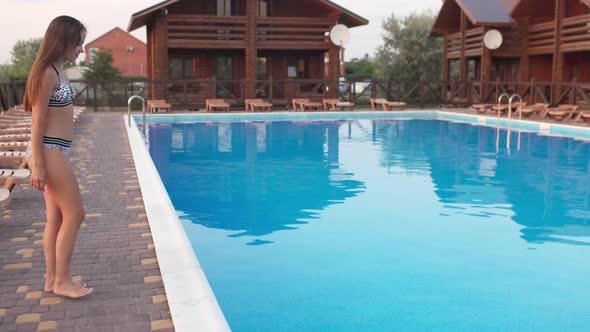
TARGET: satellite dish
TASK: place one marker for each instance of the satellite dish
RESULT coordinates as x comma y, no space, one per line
492,39
339,35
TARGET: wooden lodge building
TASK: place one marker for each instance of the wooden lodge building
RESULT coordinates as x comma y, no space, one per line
237,49
543,41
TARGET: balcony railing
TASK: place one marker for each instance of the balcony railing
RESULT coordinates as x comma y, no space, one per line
541,38
575,34
292,32
473,43
196,31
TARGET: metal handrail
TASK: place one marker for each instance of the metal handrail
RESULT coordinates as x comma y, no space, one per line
129,108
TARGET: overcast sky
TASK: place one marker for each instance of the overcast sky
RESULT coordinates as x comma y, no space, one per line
24,19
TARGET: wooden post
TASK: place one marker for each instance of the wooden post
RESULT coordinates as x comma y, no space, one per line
251,52
160,54
486,64
445,69
557,75
463,67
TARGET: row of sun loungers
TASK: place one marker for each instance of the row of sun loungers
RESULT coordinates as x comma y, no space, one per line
563,112
15,134
298,104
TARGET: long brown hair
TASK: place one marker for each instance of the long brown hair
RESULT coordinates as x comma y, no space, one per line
62,35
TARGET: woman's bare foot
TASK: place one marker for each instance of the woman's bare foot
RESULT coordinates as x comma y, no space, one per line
71,289
49,285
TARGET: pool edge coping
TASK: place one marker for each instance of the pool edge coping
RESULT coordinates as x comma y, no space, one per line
190,298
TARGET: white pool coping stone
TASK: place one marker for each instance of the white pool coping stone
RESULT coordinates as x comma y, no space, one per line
193,305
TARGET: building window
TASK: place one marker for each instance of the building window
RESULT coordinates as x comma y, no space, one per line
184,68
263,8
296,68
223,7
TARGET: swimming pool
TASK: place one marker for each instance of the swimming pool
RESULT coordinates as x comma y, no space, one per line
382,224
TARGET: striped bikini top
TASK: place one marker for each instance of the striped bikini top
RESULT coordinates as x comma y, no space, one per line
64,95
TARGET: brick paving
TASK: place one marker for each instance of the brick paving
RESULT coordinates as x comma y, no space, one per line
114,253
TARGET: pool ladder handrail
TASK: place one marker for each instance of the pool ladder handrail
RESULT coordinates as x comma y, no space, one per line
129,108
499,111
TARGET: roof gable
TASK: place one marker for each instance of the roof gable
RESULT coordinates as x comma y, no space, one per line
114,30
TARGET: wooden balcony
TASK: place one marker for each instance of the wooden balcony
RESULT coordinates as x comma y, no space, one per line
473,43
575,34
208,32
292,33
541,38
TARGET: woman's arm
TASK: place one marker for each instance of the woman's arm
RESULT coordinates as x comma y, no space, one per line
40,109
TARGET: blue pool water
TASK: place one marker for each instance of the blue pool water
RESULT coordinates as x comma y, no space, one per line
383,225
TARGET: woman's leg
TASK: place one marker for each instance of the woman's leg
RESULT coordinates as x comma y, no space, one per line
52,226
64,190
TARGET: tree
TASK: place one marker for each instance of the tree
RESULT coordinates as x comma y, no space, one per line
5,72
23,56
358,70
101,67
408,53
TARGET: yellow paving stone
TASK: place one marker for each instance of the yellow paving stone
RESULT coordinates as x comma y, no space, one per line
47,325
39,223
150,279
134,207
84,192
3,312
140,224
28,318
129,169
51,300
18,239
94,175
84,224
8,216
24,251
29,231
131,187
151,246
38,241
38,234
81,186
7,211
123,193
148,261
131,181
146,234
142,215
91,181
77,279
22,289
34,295
93,215
158,298
161,324
138,198
27,255
18,266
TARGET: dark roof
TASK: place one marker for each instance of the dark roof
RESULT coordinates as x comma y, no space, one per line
142,17
479,12
488,11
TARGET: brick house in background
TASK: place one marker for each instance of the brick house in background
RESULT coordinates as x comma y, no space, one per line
129,53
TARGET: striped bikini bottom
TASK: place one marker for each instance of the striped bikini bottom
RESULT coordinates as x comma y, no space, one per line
60,144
